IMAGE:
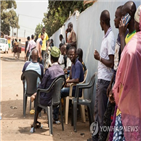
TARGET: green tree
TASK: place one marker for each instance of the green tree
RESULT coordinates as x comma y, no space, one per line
8,16
38,29
58,12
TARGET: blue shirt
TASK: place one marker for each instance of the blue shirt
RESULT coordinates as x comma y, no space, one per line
35,66
77,71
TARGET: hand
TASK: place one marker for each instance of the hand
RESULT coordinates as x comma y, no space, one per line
65,70
108,90
122,27
96,55
111,97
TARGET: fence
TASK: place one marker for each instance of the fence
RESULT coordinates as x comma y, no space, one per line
88,30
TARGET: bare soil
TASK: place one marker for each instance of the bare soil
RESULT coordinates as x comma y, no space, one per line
14,126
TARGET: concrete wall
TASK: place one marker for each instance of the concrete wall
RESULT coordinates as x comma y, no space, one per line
89,33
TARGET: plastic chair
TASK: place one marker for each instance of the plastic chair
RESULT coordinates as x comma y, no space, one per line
56,85
77,101
30,77
70,98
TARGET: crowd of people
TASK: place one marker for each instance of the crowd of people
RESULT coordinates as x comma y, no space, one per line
117,62
118,88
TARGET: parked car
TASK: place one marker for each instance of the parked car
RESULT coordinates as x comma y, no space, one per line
3,45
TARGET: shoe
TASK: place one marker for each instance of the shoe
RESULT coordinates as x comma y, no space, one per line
56,122
95,138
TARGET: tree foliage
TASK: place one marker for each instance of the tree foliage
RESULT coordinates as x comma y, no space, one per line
38,29
58,12
8,16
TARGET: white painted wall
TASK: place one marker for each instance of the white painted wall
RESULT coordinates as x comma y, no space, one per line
88,30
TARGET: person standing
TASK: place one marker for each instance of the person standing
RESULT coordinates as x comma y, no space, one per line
71,39
15,48
105,72
39,46
44,43
127,88
19,49
26,44
61,38
31,46
51,43
129,7
111,104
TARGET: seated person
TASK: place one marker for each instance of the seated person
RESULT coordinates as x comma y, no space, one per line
65,59
80,58
51,73
68,61
76,76
34,65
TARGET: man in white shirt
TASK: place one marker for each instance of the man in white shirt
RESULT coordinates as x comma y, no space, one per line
31,45
105,72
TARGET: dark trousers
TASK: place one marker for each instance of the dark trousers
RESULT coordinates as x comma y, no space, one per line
101,100
55,110
64,93
107,121
43,56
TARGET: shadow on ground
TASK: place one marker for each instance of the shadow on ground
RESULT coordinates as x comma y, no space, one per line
12,59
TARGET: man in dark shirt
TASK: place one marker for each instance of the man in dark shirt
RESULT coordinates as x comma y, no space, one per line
76,73
51,73
26,44
76,76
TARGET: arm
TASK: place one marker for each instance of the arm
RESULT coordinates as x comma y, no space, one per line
109,63
122,31
44,80
40,50
40,56
73,81
27,48
77,75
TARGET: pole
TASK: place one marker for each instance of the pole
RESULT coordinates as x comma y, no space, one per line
17,28
24,33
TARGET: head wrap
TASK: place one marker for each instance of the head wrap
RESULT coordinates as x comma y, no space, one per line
55,52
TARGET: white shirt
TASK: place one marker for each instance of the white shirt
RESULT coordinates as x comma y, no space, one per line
63,41
38,42
61,61
68,62
107,48
31,45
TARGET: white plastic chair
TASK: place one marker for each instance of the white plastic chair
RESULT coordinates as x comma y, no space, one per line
70,98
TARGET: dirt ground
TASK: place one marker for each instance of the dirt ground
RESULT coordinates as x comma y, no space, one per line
14,126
